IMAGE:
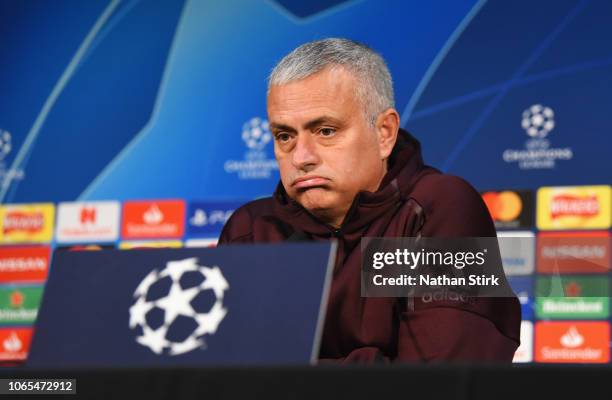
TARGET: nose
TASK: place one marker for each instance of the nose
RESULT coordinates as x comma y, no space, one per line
305,156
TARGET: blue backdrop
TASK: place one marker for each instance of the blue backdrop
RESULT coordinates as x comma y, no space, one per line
149,99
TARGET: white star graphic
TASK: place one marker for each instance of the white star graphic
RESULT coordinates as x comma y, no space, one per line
138,312
214,280
175,269
142,289
191,343
177,302
209,322
153,339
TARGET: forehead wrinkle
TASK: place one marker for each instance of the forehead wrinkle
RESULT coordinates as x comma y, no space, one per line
313,97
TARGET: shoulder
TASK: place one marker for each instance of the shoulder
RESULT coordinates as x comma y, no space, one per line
436,190
239,227
452,207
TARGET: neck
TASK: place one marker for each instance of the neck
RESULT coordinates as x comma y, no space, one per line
334,219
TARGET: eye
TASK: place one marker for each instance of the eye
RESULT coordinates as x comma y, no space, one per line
327,132
283,137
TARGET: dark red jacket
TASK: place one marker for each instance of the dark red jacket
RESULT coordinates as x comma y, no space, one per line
413,200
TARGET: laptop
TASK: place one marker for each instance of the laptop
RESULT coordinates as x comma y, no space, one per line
230,305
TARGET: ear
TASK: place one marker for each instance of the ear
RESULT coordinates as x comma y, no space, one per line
387,127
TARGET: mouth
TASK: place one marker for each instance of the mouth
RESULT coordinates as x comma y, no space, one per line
308,182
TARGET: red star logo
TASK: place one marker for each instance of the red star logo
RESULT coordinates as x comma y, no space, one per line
573,289
16,299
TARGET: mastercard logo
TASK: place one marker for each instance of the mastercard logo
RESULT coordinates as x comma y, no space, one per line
503,206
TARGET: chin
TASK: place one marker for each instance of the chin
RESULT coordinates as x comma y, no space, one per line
317,200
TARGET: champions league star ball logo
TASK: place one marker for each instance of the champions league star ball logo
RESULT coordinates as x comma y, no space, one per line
8,175
256,133
5,144
172,312
538,153
538,121
256,163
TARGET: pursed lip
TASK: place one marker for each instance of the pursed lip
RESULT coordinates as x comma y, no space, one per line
309,181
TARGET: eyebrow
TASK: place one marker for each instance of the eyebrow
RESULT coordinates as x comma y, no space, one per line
310,125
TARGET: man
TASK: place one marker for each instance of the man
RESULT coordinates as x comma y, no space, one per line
348,171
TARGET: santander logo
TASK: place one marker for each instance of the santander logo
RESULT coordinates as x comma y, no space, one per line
12,344
572,338
153,215
161,219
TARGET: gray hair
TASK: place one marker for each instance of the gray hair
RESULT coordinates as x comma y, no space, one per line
375,90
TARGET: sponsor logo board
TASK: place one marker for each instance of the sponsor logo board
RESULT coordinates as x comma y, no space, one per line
88,222
15,343
24,264
573,207
19,305
162,219
206,219
511,209
572,342
572,297
27,223
573,252
517,250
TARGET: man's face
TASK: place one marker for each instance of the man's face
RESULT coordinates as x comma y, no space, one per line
326,149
